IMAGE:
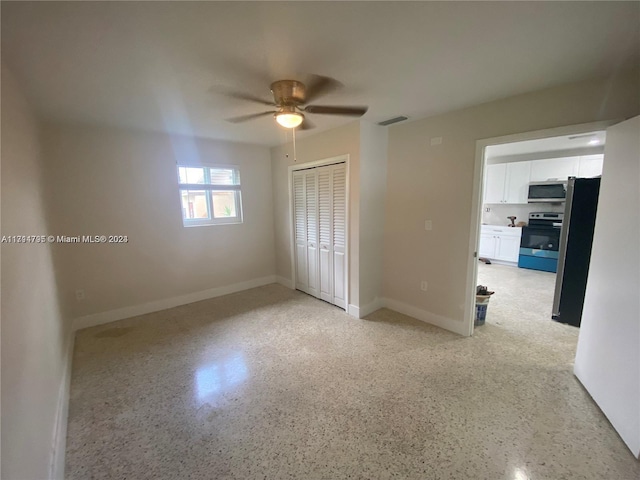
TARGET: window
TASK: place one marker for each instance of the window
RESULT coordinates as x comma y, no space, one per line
209,195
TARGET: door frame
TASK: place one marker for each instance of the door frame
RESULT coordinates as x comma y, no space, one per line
478,191
306,166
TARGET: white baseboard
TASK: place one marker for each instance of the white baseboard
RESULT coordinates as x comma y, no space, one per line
353,311
58,450
157,305
286,282
425,316
371,307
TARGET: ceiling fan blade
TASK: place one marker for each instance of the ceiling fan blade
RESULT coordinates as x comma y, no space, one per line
242,96
245,118
306,125
334,110
318,86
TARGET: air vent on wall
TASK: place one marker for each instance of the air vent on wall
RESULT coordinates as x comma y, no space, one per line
392,120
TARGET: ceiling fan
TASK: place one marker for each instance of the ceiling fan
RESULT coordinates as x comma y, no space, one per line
291,100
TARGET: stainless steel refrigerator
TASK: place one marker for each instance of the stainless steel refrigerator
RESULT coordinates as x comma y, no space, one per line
574,253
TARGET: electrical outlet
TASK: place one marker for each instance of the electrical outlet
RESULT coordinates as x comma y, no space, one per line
79,295
487,209
436,141
428,225
424,285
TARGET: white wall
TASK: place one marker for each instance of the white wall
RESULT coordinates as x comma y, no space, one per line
106,181
373,187
608,356
35,338
435,182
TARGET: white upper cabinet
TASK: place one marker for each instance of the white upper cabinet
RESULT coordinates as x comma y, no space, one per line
590,166
517,183
507,183
494,183
554,169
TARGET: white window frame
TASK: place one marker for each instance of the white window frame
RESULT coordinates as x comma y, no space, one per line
208,189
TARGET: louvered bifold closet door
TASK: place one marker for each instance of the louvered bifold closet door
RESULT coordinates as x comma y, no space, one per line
300,219
311,212
319,201
325,232
339,211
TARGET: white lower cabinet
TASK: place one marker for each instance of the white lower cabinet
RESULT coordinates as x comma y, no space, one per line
500,243
487,247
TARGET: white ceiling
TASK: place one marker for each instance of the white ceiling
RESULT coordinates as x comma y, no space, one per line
582,141
152,65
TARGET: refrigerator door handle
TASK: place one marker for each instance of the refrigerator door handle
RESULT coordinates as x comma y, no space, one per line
562,249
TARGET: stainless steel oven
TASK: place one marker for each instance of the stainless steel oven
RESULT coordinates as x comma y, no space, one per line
540,242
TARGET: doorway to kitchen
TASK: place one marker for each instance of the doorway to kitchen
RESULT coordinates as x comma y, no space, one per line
521,185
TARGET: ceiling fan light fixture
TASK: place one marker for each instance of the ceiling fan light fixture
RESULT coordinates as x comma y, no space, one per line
289,119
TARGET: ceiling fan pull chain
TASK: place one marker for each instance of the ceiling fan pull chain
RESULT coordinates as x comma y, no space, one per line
295,159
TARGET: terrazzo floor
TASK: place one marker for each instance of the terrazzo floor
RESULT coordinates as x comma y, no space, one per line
273,384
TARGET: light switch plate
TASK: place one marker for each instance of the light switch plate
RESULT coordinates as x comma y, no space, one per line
428,225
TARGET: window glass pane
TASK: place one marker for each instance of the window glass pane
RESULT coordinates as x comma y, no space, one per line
195,175
224,204
182,175
194,204
224,176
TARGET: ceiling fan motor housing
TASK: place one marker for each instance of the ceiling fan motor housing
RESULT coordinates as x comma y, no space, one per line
288,92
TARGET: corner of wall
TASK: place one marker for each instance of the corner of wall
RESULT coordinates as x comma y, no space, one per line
109,316
58,450
33,413
428,317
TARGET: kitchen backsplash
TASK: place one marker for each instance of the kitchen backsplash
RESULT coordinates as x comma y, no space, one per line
498,213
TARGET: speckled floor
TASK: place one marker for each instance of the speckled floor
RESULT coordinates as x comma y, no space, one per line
273,384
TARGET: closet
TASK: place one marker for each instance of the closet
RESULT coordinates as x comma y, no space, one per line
319,205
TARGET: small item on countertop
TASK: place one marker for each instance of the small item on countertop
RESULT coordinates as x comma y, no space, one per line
521,224
512,221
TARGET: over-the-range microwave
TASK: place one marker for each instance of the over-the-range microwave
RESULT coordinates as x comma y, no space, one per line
551,191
